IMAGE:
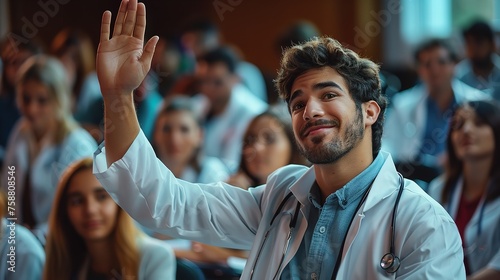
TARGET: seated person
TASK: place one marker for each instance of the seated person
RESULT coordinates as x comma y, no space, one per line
417,122
45,140
91,237
178,141
231,106
481,67
268,144
470,189
29,256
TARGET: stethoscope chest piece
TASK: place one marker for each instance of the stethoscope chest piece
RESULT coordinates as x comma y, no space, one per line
390,263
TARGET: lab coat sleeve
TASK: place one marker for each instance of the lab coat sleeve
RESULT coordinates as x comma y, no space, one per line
216,214
432,248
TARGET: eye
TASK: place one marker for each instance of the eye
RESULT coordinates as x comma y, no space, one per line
457,123
185,129
329,95
75,200
166,128
296,106
249,140
269,138
101,196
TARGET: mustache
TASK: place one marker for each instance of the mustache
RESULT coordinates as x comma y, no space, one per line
319,122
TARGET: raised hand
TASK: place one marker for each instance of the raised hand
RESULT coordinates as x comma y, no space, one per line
123,61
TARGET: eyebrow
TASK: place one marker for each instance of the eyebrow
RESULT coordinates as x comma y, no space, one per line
97,189
317,86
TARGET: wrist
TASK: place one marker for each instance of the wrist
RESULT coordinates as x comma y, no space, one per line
123,96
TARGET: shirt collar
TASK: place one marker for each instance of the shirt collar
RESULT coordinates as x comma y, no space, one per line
351,191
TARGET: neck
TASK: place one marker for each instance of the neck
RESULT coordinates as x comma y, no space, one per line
43,133
443,96
102,258
218,107
331,177
483,70
476,176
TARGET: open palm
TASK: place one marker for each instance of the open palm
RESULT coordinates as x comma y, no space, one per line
123,61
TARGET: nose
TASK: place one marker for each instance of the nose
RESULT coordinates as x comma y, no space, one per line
313,110
91,206
467,126
31,108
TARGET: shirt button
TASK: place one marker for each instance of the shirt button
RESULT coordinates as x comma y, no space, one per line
314,276
322,229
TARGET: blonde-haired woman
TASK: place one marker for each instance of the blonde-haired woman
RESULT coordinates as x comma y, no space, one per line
91,237
45,140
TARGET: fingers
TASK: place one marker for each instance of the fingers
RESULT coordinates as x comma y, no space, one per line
105,26
140,24
149,50
130,18
122,12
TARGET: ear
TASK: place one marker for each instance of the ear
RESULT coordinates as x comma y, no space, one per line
371,110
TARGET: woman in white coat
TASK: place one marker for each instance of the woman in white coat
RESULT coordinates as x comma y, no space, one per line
178,141
45,140
470,188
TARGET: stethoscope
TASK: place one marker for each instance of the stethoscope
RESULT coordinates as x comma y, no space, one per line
389,262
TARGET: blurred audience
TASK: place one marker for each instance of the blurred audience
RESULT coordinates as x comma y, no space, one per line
231,106
75,50
417,120
178,141
470,188
12,56
91,237
27,260
147,102
45,140
168,65
268,144
203,36
481,67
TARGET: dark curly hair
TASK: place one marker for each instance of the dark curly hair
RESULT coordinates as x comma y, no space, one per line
360,74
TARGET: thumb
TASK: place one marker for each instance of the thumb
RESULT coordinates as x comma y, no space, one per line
149,50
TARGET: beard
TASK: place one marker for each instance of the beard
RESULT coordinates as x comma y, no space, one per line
337,148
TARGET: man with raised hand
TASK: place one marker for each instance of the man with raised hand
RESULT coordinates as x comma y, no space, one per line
349,216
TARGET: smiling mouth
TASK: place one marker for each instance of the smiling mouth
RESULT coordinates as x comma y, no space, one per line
92,224
317,125
314,129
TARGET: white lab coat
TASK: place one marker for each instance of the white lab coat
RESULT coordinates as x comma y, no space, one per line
481,250
406,119
45,170
427,240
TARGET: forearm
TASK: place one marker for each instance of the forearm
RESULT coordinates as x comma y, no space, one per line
120,125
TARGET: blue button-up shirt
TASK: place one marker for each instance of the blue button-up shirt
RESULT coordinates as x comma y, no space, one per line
328,225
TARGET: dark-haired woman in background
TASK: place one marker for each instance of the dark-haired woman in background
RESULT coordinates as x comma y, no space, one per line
268,144
470,188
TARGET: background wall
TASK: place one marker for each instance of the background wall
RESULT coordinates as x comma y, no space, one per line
251,25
